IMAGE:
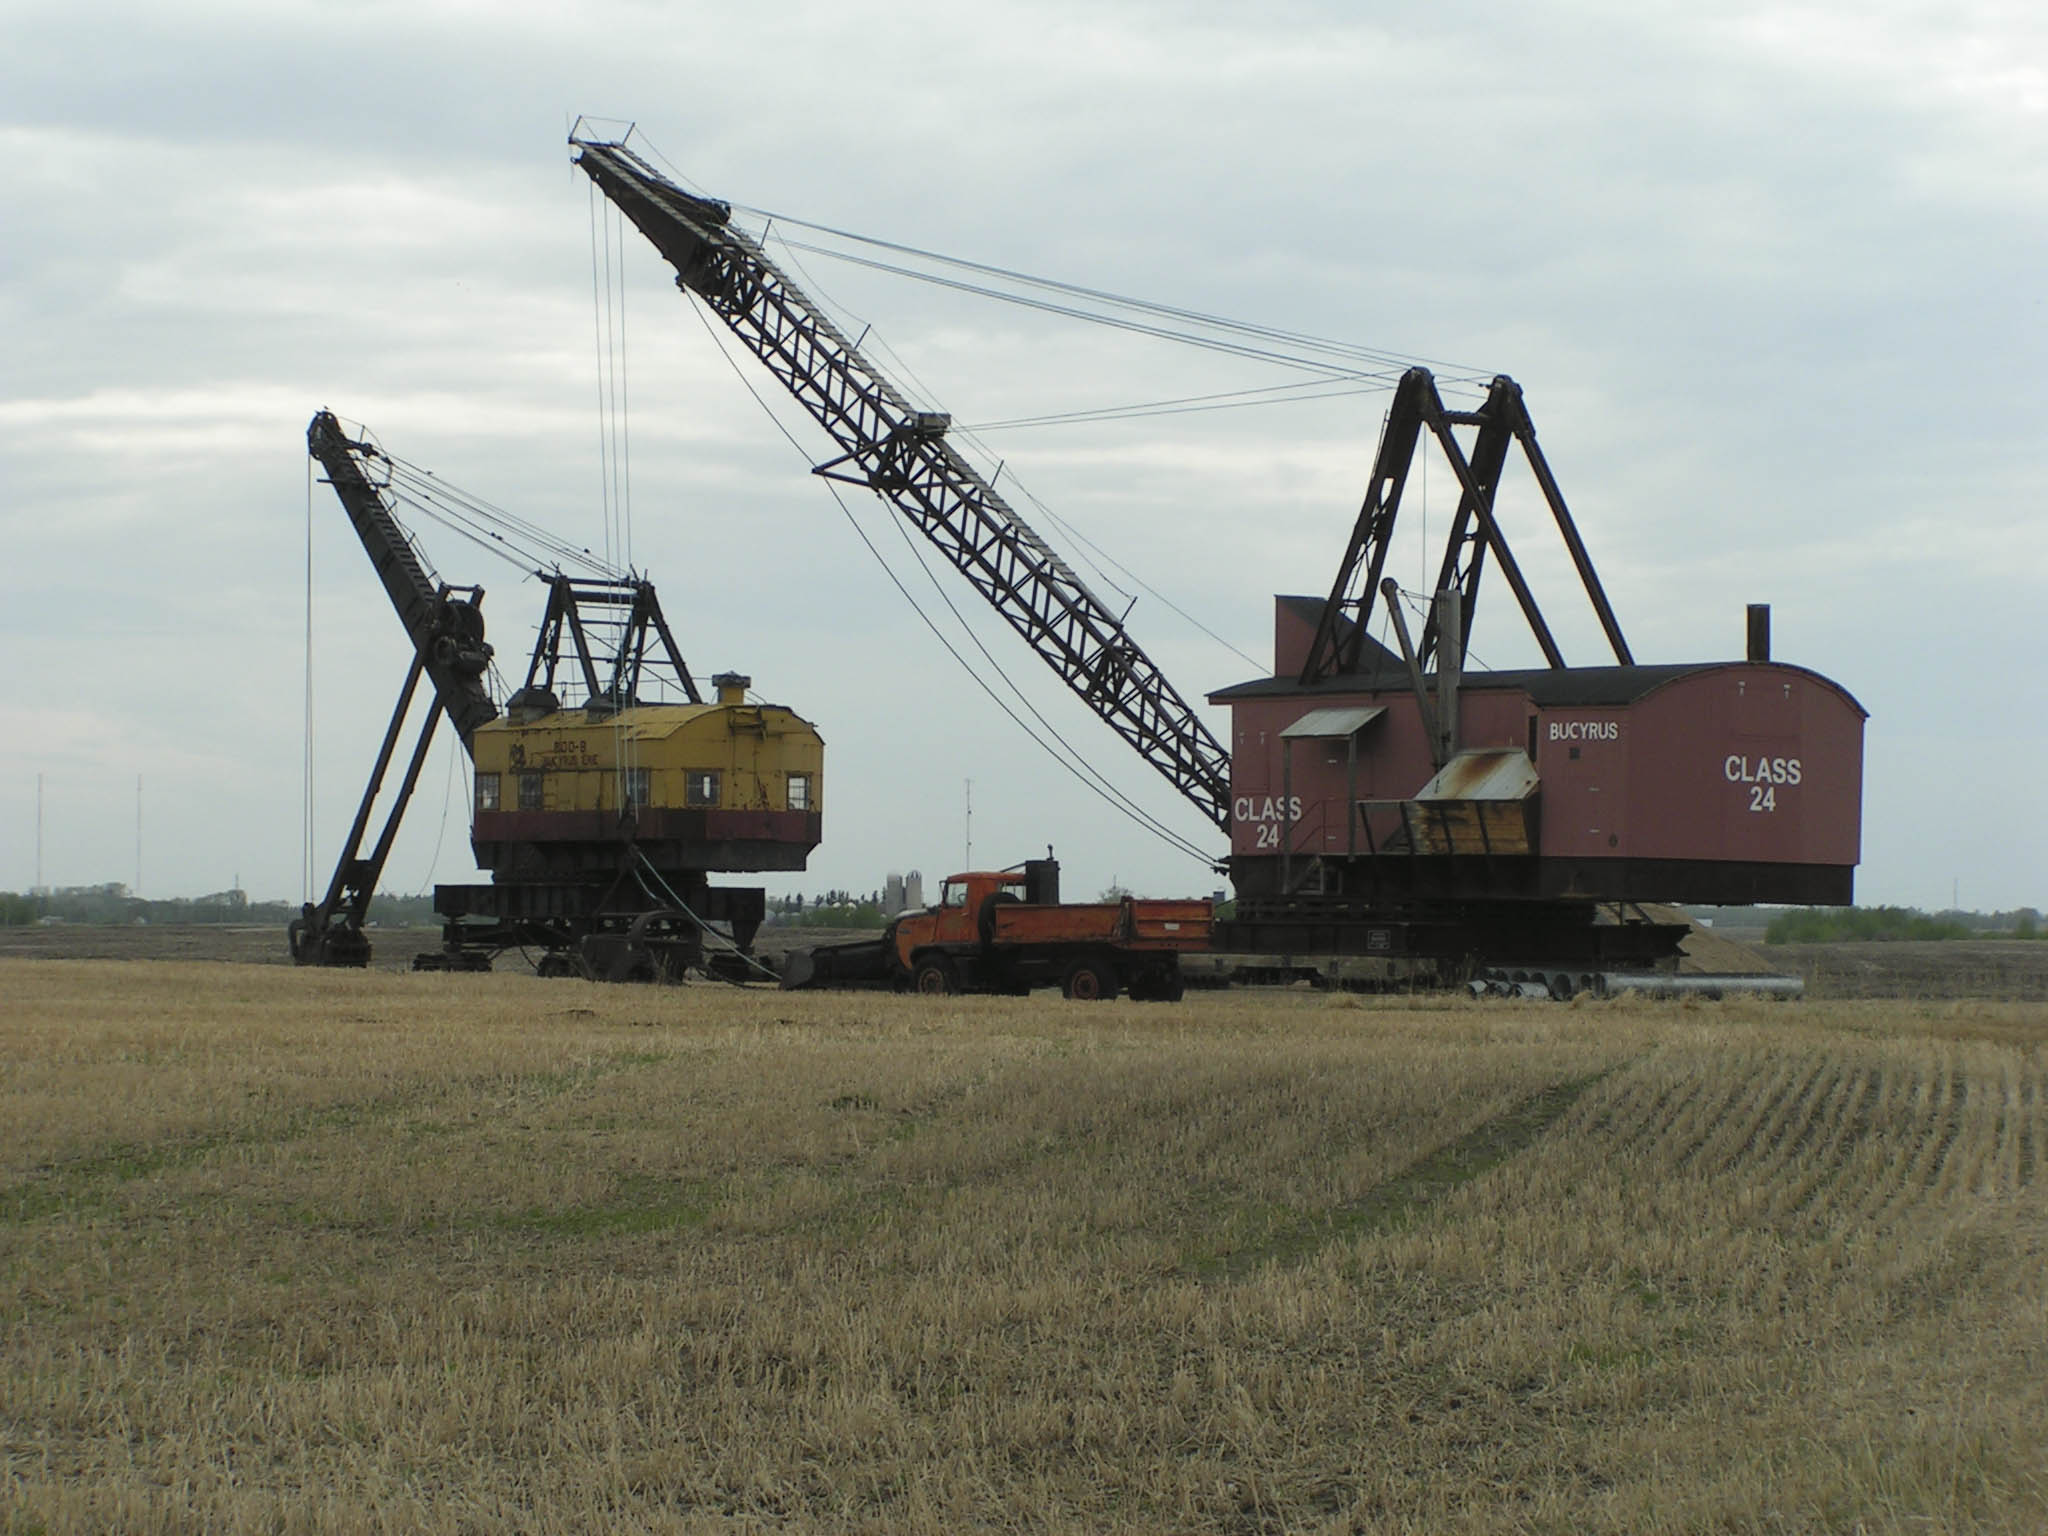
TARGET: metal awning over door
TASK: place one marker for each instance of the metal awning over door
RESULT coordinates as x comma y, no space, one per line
1334,723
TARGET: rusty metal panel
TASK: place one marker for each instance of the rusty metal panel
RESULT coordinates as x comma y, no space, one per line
1487,773
1468,826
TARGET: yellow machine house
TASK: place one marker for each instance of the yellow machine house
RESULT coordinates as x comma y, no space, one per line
729,785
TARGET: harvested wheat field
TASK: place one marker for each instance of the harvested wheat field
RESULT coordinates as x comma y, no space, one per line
286,1251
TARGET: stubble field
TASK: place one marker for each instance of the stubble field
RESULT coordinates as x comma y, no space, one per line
292,1251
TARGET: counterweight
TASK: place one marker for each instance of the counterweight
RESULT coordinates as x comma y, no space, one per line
902,454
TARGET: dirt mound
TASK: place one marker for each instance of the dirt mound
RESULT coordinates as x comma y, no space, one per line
1704,952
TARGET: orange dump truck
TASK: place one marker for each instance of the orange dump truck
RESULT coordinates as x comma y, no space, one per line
1007,931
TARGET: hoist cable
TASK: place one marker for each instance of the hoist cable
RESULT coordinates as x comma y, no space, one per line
441,832
486,539
1229,400
617,471
609,366
425,485
1074,761
1421,603
1243,349
1143,584
683,907
1381,356
1179,843
1130,806
970,434
904,369
504,534
625,404
1074,532
306,832
597,328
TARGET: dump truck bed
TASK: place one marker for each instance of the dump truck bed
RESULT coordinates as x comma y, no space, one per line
1127,924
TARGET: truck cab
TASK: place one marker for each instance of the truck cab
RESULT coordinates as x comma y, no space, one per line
965,909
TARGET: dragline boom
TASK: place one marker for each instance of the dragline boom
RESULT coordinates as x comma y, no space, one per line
902,454
445,623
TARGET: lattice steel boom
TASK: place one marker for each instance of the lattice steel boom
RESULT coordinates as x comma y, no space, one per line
902,454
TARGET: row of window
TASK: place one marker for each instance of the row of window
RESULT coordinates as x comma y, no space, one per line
701,787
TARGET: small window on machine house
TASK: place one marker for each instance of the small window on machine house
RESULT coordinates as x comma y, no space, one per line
799,791
637,785
487,791
531,792
701,786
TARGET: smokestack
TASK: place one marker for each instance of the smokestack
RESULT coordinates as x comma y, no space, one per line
1759,631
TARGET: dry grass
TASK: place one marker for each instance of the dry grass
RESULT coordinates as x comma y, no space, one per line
2013,969
284,1251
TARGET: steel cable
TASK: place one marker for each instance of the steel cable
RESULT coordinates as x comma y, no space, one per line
1110,795
970,435
1383,357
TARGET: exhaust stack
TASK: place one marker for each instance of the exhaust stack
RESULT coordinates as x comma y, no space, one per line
1759,631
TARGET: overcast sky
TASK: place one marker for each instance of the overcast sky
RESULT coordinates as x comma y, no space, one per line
1770,277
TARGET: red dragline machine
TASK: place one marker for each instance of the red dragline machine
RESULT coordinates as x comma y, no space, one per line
1377,802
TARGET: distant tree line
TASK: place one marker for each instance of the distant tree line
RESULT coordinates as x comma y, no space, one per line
834,909
112,905
1878,925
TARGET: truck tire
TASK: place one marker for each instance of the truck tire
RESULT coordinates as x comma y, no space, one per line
1158,984
934,976
1090,981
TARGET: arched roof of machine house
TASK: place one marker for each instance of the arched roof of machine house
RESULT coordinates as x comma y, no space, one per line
1549,686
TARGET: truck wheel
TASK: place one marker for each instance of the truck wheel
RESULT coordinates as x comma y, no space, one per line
934,977
1157,984
1089,981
